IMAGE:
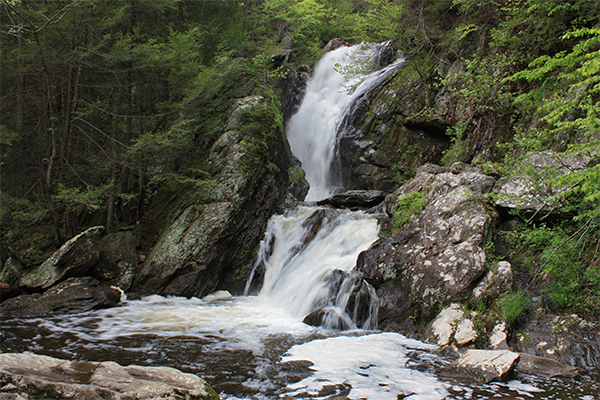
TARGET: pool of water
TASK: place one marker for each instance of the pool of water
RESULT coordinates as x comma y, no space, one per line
247,349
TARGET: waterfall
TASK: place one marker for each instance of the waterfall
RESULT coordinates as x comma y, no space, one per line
309,253
312,131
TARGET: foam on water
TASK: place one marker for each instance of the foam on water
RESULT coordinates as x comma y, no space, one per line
373,365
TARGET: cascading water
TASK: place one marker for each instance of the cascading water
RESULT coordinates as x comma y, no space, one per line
256,347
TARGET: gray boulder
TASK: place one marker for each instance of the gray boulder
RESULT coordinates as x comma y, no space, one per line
439,256
36,376
452,326
74,258
532,188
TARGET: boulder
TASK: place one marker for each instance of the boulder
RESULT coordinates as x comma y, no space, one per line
531,191
496,281
488,365
72,295
498,338
439,256
74,258
452,326
37,376
118,258
530,364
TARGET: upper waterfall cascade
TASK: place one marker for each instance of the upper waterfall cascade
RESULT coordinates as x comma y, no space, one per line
312,131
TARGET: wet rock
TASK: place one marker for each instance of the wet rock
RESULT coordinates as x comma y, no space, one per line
488,365
567,339
452,326
72,295
439,256
74,258
36,376
530,364
334,44
355,199
497,280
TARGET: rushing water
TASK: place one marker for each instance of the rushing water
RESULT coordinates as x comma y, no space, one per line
257,347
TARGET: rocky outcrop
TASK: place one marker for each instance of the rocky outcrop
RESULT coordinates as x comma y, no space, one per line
497,365
532,192
210,243
30,376
72,295
566,339
74,258
440,256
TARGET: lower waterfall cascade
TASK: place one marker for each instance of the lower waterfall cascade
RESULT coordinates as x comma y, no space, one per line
256,346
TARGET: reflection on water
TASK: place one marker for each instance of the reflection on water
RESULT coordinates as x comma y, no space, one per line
247,349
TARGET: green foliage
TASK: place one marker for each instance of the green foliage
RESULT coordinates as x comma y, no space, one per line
570,258
91,197
409,207
381,21
19,212
514,306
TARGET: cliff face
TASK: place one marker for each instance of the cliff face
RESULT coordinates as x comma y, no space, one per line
211,243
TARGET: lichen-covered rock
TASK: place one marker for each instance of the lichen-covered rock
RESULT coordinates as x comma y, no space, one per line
497,280
568,339
73,295
211,242
438,257
531,192
74,258
37,376
488,365
452,326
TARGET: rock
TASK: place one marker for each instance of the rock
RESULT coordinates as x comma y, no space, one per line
74,258
439,256
522,193
497,280
118,257
211,240
530,364
451,325
488,365
355,199
12,271
334,44
218,295
568,339
498,338
37,376
7,291
72,295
